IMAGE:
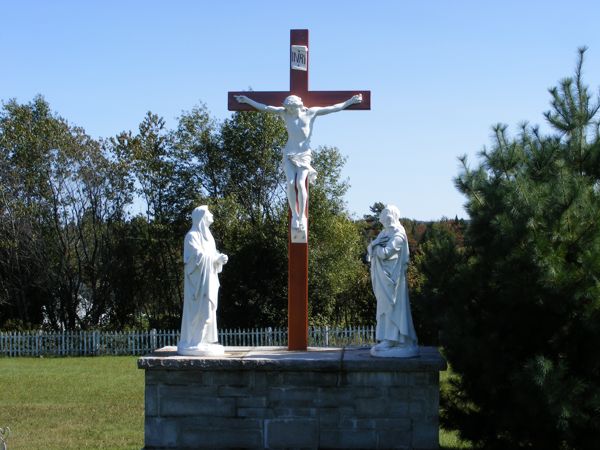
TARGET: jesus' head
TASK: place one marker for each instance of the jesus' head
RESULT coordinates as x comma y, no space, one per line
292,102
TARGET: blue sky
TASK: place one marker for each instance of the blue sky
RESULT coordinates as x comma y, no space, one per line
441,73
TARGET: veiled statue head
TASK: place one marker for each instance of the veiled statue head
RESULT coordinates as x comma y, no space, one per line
201,215
390,216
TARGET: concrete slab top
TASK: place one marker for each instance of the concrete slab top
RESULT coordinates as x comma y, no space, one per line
279,358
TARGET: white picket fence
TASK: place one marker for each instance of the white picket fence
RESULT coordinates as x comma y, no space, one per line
88,343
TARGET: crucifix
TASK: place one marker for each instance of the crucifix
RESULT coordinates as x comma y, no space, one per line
299,108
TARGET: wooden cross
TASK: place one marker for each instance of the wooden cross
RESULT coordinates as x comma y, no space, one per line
298,252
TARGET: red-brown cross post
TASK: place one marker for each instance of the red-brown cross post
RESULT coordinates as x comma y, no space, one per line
298,252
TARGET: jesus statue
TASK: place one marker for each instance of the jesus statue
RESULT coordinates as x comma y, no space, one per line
297,155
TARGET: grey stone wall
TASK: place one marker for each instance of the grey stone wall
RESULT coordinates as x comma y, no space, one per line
269,398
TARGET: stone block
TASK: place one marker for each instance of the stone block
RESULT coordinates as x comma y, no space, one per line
347,412
347,438
354,423
259,413
422,392
194,404
310,378
400,392
393,424
375,424
398,409
203,432
292,396
251,402
264,379
433,400
223,423
232,378
342,396
234,391
177,377
197,391
368,392
380,379
291,433
329,417
425,434
371,407
420,378
417,408
154,377
151,400
160,432
427,399
209,438
394,439
295,412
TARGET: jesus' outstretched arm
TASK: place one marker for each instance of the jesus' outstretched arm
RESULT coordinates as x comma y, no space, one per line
259,106
322,110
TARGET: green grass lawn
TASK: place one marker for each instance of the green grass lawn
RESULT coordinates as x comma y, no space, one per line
72,403
79,403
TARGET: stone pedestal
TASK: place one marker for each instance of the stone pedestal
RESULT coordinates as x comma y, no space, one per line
268,397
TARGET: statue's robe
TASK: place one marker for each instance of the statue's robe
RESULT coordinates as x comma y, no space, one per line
389,261
201,289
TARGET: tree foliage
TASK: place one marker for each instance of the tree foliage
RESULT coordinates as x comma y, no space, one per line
521,324
72,254
61,198
432,274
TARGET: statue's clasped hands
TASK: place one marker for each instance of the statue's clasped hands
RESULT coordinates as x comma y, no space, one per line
381,241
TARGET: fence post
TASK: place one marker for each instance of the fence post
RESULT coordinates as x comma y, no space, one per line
95,343
153,339
326,335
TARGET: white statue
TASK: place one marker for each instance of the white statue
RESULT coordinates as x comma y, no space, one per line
297,153
202,264
388,254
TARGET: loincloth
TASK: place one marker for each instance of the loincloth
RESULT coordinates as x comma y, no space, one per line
303,160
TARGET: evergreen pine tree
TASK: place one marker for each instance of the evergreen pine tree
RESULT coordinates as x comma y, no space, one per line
522,325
